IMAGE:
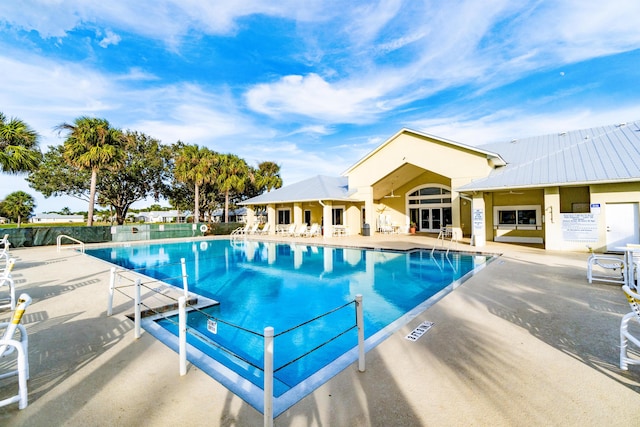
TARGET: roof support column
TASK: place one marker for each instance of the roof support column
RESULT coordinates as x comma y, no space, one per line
297,213
455,214
327,219
271,219
552,224
479,219
251,215
369,208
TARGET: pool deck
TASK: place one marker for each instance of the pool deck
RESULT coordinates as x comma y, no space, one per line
527,341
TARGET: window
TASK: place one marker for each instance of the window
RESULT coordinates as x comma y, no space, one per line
337,214
284,216
517,217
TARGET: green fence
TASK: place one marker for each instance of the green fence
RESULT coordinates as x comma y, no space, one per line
44,236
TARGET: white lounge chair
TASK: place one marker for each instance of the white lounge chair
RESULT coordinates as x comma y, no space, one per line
290,231
265,230
633,265
7,281
313,231
625,335
605,262
4,244
10,345
254,228
301,230
240,230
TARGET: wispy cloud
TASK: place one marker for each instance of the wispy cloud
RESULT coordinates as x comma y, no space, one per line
110,38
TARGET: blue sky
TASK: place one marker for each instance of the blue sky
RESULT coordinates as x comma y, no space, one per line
315,85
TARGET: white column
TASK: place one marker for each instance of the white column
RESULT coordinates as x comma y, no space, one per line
297,213
251,215
479,220
327,214
271,219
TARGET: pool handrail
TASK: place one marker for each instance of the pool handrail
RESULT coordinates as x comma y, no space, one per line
61,236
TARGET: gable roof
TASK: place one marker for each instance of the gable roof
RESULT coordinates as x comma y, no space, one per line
319,187
493,157
597,155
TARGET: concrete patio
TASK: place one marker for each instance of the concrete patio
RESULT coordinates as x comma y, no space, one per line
527,341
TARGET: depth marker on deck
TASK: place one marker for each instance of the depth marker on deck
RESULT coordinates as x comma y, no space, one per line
419,331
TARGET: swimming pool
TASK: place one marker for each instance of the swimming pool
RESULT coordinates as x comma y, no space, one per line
261,284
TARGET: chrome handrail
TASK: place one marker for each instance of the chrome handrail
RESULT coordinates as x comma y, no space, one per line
59,242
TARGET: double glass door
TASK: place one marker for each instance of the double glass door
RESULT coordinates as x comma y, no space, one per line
431,220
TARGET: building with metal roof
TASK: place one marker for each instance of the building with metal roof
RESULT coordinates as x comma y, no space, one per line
563,190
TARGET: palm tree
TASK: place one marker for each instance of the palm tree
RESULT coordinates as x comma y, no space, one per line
94,145
18,146
195,165
18,205
233,173
268,176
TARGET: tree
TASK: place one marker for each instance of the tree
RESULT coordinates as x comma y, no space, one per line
92,144
18,205
268,176
195,165
233,174
56,177
141,173
18,146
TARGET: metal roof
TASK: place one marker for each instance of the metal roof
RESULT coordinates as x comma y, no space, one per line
319,187
596,155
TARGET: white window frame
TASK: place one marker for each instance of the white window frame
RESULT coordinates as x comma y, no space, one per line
283,210
516,226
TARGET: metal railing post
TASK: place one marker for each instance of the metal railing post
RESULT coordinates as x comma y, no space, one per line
268,376
360,323
182,333
137,309
185,285
112,284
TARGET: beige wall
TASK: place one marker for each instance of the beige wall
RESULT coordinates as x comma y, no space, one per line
432,155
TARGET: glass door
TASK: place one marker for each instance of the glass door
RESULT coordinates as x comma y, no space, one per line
430,220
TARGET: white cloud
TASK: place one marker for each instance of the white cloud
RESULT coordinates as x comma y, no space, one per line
506,125
313,96
110,38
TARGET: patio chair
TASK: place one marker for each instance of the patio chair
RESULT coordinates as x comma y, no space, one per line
313,231
9,345
253,229
604,262
633,267
625,335
240,231
301,231
265,230
290,231
4,244
7,280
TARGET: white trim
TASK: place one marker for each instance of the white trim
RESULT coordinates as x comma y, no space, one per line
516,226
518,239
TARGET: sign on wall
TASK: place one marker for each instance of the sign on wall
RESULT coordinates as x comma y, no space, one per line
478,219
580,227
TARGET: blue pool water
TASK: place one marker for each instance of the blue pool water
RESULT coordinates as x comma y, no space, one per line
260,284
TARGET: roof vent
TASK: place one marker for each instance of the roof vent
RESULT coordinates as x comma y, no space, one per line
513,141
562,134
586,137
621,124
